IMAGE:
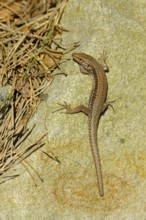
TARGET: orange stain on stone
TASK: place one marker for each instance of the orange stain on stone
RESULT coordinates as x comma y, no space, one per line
81,191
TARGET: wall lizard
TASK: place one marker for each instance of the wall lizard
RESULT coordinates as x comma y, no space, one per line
97,103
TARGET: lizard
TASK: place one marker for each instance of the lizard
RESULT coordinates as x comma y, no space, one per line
97,103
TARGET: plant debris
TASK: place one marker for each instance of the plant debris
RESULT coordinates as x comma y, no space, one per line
30,50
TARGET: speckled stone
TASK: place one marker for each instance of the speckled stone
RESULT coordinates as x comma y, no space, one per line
69,190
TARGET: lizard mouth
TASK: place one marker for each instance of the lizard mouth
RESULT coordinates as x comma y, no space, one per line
85,68
78,60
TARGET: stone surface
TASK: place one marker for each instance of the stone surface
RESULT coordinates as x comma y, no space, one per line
69,190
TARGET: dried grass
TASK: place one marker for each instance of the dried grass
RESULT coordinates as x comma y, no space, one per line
30,50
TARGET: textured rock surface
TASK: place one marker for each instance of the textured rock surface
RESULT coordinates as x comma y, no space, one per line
69,190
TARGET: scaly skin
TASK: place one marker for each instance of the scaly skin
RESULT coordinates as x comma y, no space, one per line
97,103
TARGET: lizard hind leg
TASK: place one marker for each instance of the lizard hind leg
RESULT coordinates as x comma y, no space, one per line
70,110
107,104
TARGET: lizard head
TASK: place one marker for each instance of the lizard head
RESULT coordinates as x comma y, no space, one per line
85,62
88,64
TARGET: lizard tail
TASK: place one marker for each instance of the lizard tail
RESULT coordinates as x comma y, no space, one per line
96,157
